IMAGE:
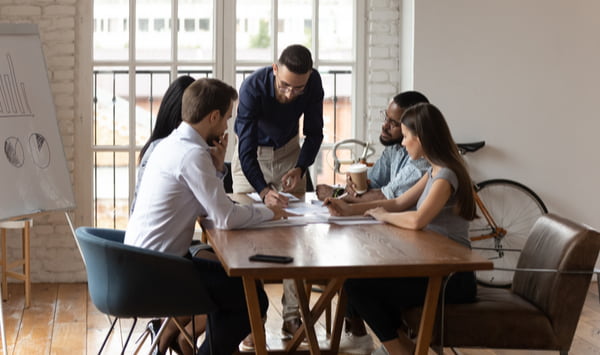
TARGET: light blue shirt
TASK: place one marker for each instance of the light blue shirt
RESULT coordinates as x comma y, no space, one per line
179,184
395,172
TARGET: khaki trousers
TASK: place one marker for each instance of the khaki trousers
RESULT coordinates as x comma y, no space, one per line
274,163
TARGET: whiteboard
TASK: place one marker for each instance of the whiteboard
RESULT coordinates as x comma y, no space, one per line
33,169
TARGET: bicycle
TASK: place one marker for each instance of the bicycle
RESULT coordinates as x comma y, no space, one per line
506,211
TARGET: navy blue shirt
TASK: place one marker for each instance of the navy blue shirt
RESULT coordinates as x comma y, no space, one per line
263,121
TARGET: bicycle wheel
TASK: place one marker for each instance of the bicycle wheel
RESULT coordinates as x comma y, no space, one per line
514,208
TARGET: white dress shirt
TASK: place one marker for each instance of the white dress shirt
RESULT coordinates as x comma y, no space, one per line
181,183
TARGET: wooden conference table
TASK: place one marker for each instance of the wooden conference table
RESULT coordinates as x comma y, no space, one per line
334,253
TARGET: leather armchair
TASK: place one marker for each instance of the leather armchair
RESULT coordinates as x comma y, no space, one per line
541,309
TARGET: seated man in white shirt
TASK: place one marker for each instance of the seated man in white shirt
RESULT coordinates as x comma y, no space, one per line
183,180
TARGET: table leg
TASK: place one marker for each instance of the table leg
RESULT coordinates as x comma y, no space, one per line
338,322
332,287
256,323
428,315
307,318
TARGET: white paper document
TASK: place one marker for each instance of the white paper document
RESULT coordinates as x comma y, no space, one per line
256,197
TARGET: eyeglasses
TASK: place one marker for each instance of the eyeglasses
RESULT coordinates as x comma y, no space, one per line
387,120
285,88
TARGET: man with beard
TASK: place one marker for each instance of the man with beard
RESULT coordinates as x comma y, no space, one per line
183,180
394,172
268,157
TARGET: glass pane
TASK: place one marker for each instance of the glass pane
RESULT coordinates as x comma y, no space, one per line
153,29
335,29
197,72
151,86
111,189
111,29
253,30
294,23
195,39
111,107
337,104
241,73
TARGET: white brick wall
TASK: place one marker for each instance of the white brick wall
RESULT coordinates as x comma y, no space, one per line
383,62
54,254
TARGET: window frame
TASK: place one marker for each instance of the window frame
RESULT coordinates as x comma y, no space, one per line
224,64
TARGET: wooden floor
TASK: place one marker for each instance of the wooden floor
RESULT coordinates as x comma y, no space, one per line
62,320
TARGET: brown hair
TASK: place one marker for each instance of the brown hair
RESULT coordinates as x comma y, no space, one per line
427,122
204,96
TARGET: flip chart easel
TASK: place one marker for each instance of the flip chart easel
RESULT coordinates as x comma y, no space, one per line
33,167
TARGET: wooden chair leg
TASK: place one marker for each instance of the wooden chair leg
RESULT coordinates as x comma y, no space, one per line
26,234
4,271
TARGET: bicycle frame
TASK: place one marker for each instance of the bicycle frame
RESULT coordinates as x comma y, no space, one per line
497,232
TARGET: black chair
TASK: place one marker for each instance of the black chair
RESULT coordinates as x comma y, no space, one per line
131,282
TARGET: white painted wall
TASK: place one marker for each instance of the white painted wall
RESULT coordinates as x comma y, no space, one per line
525,77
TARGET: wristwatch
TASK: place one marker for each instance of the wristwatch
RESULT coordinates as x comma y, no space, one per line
338,191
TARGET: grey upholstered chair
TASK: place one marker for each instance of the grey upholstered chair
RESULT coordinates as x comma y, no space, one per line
542,308
130,282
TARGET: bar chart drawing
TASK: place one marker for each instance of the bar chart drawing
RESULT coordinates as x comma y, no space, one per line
13,97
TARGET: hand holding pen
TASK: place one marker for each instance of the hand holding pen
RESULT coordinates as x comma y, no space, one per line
337,207
272,198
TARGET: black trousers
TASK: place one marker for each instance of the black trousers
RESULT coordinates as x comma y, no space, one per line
380,302
228,326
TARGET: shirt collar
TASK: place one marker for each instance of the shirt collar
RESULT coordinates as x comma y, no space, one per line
186,131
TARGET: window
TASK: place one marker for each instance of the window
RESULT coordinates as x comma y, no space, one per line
204,24
159,24
130,78
143,25
189,25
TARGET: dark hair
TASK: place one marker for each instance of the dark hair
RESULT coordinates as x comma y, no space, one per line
297,59
204,96
427,122
407,99
169,112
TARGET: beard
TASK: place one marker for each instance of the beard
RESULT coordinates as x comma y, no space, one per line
212,138
391,141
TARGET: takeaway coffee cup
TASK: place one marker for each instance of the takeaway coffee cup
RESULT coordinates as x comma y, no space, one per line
358,174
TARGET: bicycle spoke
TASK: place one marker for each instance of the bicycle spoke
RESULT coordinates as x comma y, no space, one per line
514,209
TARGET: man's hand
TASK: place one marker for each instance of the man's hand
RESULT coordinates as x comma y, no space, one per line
337,207
324,191
291,179
350,186
280,213
217,152
272,198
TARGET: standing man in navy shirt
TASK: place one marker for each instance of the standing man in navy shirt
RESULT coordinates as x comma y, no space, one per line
268,157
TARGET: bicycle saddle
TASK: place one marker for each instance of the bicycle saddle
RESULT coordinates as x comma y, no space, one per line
470,147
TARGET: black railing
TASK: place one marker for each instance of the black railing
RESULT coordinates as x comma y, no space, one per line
118,168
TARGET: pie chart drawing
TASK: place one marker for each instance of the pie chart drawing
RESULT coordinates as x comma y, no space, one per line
13,149
40,150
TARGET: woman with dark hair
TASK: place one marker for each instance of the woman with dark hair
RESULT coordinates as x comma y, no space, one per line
167,120
444,203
